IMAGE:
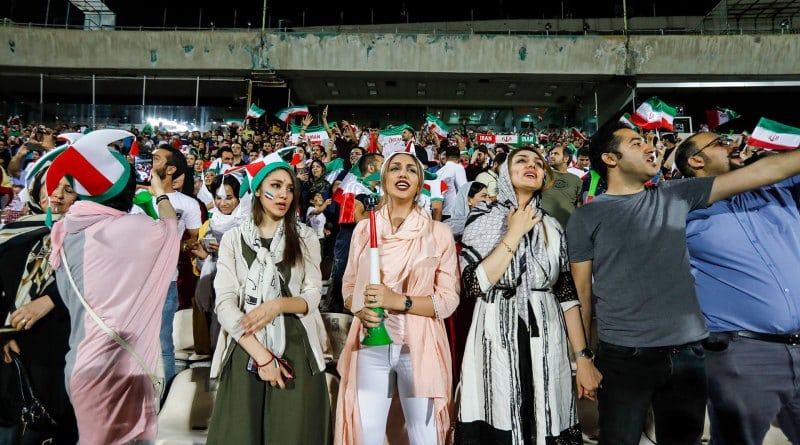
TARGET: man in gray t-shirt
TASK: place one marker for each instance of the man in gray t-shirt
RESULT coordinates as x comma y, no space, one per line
624,233
632,241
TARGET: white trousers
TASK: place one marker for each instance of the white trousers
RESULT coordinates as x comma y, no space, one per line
381,369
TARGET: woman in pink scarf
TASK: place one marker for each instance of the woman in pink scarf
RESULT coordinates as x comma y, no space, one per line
122,265
420,288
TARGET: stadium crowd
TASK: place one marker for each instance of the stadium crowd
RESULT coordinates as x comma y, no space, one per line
495,258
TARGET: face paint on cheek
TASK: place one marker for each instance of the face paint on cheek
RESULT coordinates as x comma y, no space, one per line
269,196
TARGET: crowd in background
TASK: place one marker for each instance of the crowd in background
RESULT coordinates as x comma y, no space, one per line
512,209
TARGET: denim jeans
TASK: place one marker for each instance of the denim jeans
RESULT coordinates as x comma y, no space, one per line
336,303
671,379
167,318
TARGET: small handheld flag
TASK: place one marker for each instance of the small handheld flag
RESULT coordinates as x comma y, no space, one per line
254,112
288,113
773,135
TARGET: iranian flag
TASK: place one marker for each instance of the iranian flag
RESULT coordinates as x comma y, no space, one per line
392,140
720,116
334,168
626,119
667,116
437,127
288,113
648,115
345,195
254,112
577,134
248,171
773,135
654,113
315,135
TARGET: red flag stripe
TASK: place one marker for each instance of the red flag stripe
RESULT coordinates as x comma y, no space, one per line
72,163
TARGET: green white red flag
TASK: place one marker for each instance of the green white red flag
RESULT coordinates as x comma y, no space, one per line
437,127
288,113
654,113
626,119
720,116
392,140
350,187
575,133
254,112
668,114
773,135
315,135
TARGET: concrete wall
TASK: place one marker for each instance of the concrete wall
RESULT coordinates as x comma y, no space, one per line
743,55
130,50
446,53
236,52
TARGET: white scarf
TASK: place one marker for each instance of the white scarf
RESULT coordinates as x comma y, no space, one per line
263,283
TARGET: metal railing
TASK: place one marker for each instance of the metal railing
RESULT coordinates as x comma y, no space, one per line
422,28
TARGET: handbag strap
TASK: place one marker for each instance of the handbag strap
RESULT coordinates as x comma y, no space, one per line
114,336
25,388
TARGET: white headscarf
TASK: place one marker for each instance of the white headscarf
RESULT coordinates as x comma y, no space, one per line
458,219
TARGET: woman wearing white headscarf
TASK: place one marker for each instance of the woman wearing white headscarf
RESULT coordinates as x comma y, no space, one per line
228,212
516,380
468,197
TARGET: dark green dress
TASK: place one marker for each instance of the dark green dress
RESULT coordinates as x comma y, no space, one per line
249,411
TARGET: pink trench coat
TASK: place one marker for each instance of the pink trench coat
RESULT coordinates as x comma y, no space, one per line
420,259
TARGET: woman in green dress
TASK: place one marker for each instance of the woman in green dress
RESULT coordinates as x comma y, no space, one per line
272,386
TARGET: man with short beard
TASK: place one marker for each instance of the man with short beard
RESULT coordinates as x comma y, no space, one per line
238,156
560,200
744,256
224,161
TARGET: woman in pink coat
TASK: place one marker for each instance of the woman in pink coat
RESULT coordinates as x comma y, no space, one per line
419,288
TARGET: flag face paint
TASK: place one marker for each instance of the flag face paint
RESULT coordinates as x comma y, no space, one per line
269,196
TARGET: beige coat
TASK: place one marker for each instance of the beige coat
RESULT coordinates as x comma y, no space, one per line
305,282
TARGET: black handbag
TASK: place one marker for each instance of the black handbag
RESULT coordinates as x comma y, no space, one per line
35,425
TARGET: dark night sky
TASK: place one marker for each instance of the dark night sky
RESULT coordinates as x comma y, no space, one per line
150,13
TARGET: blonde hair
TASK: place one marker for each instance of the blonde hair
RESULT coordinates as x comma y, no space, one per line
420,176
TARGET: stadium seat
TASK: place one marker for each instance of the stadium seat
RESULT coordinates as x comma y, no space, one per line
337,326
183,419
183,338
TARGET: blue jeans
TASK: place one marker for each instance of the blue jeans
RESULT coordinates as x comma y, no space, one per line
167,318
750,382
341,250
671,379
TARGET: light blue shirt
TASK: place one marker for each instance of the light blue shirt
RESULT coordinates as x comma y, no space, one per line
745,258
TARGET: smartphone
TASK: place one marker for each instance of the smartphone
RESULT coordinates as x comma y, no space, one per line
251,366
33,146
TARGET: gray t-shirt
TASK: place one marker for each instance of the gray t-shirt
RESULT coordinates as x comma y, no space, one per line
642,279
559,201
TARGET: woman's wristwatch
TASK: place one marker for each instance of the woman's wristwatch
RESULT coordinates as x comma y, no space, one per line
408,304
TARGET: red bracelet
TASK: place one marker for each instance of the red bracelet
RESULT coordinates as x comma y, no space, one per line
265,364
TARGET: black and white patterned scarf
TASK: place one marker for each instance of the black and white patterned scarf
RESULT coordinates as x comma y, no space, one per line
263,282
531,268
